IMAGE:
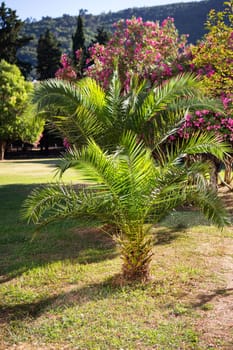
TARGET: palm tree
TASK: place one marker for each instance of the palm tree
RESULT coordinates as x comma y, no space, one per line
131,191
118,139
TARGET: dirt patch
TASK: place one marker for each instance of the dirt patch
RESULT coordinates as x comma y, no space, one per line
227,197
216,303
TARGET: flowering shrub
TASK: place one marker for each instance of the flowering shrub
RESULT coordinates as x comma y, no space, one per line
213,57
153,51
207,120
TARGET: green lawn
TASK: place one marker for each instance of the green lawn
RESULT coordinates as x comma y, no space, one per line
32,171
58,287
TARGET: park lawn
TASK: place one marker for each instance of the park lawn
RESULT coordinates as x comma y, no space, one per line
59,287
32,171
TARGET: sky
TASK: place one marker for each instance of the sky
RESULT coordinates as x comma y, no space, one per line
56,8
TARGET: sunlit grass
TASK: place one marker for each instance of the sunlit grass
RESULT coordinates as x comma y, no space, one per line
33,171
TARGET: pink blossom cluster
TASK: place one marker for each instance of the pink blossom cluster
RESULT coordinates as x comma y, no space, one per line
206,120
153,51
66,71
208,70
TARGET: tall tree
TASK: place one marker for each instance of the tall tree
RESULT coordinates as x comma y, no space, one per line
78,47
48,56
16,121
213,56
10,39
78,38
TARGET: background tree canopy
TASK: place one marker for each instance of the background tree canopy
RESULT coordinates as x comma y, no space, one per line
11,38
16,122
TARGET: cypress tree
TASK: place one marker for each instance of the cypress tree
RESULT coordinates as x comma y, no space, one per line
78,41
48,55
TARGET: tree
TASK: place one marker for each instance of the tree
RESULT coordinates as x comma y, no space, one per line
134,185
152,50
78,47
130,193
213,61
213,56
48,56
10,39
15,122
48,63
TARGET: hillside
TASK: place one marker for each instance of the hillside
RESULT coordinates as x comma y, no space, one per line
189,19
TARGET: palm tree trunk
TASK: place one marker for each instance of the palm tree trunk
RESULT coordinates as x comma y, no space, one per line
2,149
136,255
228,169
213,176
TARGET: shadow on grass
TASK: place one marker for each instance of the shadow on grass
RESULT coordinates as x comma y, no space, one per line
168,235
80,296
204,299
83,241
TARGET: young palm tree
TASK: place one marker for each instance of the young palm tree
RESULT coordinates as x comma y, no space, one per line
131,191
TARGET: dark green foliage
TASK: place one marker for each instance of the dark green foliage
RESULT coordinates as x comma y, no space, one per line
78,38
10,38
102,36
48,55
78,43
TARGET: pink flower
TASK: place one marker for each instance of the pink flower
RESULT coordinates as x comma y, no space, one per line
188,117
66,143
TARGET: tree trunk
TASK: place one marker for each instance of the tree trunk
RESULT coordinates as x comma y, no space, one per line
228,169
136,255
2,149
213,176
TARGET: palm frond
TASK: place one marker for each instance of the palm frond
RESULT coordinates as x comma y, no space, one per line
183,192
54,95
58,202
211,206
137,161
196,144
161,108
92,95
197,102
135,97
114,101
80,126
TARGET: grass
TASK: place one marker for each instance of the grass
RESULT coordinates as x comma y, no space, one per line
31,172
57,290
